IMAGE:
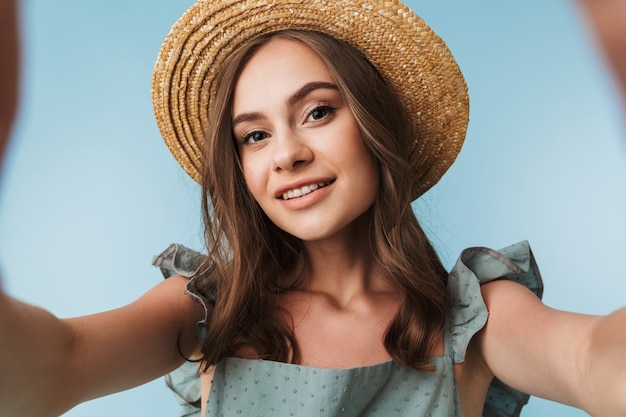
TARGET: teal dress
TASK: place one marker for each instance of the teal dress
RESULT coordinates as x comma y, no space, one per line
244,387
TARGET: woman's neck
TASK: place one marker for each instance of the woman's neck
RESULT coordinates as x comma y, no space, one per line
343,268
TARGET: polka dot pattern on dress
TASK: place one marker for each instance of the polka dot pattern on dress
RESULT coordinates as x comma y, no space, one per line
266,388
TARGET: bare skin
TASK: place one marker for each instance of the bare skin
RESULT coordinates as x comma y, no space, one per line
9,68
607,20
91,356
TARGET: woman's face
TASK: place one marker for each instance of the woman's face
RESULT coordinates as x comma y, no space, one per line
304,159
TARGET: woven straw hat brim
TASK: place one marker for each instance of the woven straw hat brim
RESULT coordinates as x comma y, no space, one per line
414,61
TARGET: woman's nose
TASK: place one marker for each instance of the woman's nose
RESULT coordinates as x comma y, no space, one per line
290,152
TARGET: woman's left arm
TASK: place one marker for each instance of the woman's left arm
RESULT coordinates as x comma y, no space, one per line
571,358
606,365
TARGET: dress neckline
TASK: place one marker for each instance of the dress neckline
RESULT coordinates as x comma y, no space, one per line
435,360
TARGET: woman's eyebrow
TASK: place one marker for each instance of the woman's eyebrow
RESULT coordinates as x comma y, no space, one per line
308,88
293,99
245,117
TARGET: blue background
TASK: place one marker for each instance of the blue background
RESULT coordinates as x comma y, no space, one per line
90,193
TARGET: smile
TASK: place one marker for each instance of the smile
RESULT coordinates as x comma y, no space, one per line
307,189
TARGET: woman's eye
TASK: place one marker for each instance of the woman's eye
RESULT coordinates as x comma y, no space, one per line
253,137
320,113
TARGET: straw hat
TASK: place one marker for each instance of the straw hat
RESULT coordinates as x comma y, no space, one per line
413,60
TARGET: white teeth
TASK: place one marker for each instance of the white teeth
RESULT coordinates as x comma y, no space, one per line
307,189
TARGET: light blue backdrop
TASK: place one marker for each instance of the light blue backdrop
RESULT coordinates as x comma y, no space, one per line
90,193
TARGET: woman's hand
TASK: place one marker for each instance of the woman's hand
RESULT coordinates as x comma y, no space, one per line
9,65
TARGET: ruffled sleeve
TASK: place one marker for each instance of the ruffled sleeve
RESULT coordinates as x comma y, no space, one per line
468,313
184,382
476,266
178,259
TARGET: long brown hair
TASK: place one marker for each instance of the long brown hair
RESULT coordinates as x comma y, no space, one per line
250,257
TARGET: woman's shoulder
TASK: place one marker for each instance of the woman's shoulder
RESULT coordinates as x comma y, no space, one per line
481,271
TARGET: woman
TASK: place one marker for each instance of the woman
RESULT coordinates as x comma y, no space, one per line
314,234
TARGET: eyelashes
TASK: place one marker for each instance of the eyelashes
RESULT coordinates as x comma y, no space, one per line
319,114
253,137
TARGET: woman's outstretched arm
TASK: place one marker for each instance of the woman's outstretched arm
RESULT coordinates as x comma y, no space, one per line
571,358
48,365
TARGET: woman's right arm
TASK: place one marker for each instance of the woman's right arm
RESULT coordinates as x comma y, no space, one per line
48,365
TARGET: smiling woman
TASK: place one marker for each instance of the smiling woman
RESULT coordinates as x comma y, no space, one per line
310,149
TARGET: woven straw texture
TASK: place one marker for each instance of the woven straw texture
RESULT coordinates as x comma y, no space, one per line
410,56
